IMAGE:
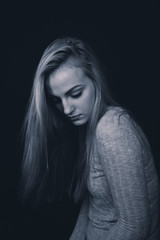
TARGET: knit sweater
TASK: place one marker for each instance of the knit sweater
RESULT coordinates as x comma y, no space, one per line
124,195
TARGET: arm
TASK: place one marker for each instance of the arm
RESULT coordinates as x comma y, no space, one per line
80,228
120,150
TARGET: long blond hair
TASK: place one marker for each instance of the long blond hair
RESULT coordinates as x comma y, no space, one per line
44,124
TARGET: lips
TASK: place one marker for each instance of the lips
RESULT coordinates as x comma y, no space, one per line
75,117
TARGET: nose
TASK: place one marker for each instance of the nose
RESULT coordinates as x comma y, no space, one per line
68,108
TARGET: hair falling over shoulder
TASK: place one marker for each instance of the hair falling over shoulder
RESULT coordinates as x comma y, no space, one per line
56,154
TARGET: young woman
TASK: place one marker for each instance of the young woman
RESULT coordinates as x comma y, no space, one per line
73,121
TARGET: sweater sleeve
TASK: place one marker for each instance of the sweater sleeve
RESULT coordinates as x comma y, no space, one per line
120,149
79,232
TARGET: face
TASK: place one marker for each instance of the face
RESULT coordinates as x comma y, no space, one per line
73,93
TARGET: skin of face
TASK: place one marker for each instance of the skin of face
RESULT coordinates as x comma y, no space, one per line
73,93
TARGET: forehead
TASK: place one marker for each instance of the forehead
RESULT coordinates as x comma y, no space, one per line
64,78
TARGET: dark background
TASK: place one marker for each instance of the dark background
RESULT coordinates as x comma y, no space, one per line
125,36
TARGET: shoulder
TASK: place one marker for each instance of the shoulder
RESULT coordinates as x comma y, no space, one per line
118,126
114,120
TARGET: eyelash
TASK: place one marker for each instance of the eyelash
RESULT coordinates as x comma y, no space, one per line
57,101
76,95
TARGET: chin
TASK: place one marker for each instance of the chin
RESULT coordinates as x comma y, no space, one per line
79,122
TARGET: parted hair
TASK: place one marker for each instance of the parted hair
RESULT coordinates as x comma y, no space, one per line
49,139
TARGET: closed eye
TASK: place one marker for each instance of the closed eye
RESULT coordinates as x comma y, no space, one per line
54,100
76,95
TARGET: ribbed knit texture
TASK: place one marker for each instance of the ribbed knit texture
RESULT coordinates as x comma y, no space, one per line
124,202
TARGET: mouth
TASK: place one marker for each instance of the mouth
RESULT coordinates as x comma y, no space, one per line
74,118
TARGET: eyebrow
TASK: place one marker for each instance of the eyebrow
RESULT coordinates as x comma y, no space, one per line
73,88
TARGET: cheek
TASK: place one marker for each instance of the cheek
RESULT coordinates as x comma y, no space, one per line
92,95
59,107
89,101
